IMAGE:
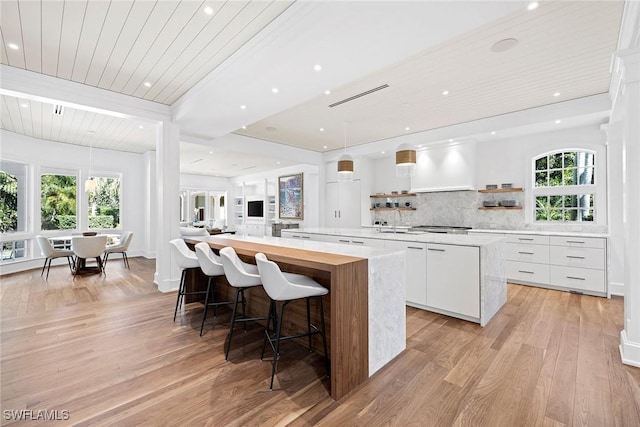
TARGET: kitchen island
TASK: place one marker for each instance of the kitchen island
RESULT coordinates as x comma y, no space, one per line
458,275
366,326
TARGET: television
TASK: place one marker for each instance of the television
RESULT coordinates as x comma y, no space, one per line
255,208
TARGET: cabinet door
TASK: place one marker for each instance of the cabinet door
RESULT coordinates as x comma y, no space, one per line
453,279
415,269
343,204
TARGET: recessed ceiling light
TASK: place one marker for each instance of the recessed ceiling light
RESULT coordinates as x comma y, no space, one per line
445,93
211,152
321,129
558,121
420,146
278,162
325,147
208,10
140,127
327,92
556,94
24,105
533,5
504,45
382,152
407,128
274,90
244,127
147,84
317,67
91,132
451,140
493,132
13,46
243,107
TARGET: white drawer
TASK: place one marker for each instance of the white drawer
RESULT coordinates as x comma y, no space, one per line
528,253
578,257
527,272
532,239
578,278
578,242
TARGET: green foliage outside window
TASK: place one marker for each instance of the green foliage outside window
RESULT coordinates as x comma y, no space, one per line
8,202
104,203
58,202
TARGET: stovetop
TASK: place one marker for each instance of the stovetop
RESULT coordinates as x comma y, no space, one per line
441,229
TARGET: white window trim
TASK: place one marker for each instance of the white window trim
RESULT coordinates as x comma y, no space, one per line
599,189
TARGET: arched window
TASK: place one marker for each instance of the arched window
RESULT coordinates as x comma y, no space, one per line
564,186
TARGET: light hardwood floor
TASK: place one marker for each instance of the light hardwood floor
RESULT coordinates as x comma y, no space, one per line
107,351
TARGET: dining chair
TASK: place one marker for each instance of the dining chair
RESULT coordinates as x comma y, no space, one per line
50,253
119,248
88,247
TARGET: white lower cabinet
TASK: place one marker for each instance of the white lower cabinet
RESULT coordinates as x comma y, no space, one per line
453,279
415,270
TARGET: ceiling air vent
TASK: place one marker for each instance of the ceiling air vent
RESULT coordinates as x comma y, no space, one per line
360,95
58,110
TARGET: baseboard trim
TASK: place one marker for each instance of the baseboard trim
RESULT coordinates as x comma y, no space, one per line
629,351
616,289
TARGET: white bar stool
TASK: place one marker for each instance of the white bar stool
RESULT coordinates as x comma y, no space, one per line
186,259
286,287
211,266
241,276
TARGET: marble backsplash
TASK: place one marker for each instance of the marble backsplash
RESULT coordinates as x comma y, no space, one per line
460,208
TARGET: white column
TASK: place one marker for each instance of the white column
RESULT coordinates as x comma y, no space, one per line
149,206
630,105
614,194
166,215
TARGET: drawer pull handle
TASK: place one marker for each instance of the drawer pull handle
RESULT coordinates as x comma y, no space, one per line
575,241
436,250
306,237
343,241
414,247
525,271
525,253
575,256
576,278
355,241
525,238
295,237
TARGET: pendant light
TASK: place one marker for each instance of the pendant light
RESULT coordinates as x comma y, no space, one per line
345,162
90,184
405,160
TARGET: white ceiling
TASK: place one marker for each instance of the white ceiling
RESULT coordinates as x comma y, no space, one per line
206,66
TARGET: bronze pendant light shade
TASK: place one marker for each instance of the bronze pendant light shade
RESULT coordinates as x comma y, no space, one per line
345,162
405,160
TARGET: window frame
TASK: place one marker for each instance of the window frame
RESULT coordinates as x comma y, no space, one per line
597,189
85,199
45,170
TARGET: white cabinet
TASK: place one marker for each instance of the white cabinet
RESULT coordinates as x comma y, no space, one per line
560,262
453,279
415,270
343,204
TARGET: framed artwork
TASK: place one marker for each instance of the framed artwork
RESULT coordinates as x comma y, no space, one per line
290,193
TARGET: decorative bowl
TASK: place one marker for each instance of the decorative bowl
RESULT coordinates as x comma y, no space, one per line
491,186
90,233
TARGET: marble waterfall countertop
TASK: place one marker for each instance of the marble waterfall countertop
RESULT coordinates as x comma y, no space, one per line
492,274
405,235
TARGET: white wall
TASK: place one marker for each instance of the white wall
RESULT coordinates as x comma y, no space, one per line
39,154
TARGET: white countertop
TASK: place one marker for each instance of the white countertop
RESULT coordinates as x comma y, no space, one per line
539,232
448,239
326,247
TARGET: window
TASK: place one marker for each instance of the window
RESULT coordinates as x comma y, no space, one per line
564,186
12,197
12,250
104,203
58,204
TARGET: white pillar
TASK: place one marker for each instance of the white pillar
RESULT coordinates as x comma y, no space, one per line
630,114
166,215
615,181
149,206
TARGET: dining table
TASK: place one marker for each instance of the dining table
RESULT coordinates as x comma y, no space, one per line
80,264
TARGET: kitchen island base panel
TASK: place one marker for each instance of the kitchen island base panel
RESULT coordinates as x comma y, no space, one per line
493,279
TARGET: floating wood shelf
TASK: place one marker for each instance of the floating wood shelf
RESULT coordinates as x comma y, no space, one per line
392,209
503,190
515,208
380,196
